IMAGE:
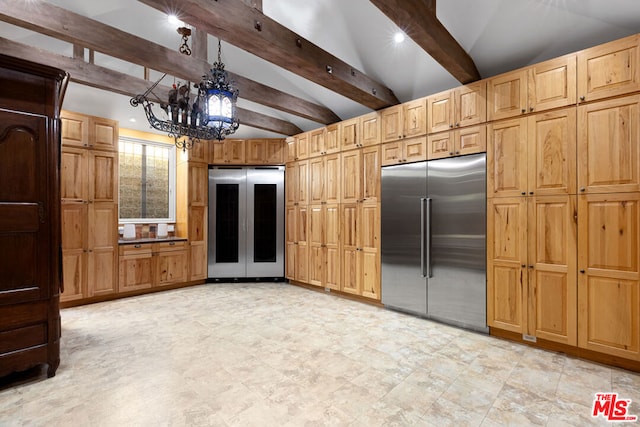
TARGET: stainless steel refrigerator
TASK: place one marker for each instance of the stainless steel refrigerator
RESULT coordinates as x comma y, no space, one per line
433,243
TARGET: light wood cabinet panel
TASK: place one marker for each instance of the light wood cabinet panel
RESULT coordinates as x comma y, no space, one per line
235,151
349,137
552,153
291,187
290,224
507,158
103,134
440,145
198,184
74,250
609,279
369,249
217,153
316,180
460,107
303,183
301,248
332,139
75,129
507,95
103,176
610,69
290,268
414,118
370,129
317,257
350,281
256,151
74,176
552,84
371,165
197,224
171,267
102,242
275,151
351,176
506,263
405,151
199,153
552,291
302,146
608,146
332,174
459,142
198,262
391,123
136,270
317,142
332,246
291,149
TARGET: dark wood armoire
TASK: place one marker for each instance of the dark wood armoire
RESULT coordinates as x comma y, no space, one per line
30,265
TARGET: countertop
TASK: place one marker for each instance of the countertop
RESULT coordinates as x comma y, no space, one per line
150,240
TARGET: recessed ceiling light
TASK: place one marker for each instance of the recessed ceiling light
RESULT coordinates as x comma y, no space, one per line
173,20
132,120
398,37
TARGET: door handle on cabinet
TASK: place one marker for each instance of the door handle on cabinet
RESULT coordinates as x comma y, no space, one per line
582,271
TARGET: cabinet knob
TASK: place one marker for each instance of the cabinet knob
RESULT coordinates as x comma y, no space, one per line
524,193
137,246
582,98
582,189
451,126
582,271
531,266
451,153
457,152
172,243
531,193
457,125
523,111
523,265
530,108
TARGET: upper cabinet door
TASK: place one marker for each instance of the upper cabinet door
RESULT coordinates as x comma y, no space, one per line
415,118
332,139
370,129
391,123
608,146
552,153
75,129
440,111
317,142
349,134
552,84
609,70
103,177
291,149
235,151
103,134
507,158
470,104
256,151
275,151
507,95
302,146
73,174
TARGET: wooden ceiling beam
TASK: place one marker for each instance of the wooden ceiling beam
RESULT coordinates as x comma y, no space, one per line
113,81
77,29
249,29
417,18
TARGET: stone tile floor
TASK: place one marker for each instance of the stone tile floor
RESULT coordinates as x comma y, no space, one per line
272,354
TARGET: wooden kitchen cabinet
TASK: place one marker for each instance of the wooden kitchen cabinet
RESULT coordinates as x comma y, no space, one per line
543,86
171,263
324,179
317,145
360,249
459,107
316,180
531,266
532,156
83,131
74,250
291,180
608,70
405,120
405,151
332,139
228,152
256,151
609,276
608,146
198,260
360,175
459,142
348,133
135,267
370,127
301,246
302,194
324,257
89,175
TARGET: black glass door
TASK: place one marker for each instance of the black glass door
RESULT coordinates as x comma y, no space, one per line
265,223
227,217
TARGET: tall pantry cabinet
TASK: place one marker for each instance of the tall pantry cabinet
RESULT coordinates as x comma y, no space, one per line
89,209
30,275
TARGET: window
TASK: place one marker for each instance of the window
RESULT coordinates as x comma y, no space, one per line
147,181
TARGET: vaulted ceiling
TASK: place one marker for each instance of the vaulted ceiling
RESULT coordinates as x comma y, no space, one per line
299,64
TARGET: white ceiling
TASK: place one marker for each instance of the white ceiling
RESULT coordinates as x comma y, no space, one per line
500,35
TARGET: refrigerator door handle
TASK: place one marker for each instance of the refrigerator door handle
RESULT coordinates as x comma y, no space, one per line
423,236
427,238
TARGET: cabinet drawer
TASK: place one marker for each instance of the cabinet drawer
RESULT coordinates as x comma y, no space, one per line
136,249
170,246
23,338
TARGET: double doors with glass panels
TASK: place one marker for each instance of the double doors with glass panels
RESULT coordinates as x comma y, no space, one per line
246,222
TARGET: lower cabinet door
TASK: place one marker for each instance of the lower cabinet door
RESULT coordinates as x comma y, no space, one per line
171,267
136,272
